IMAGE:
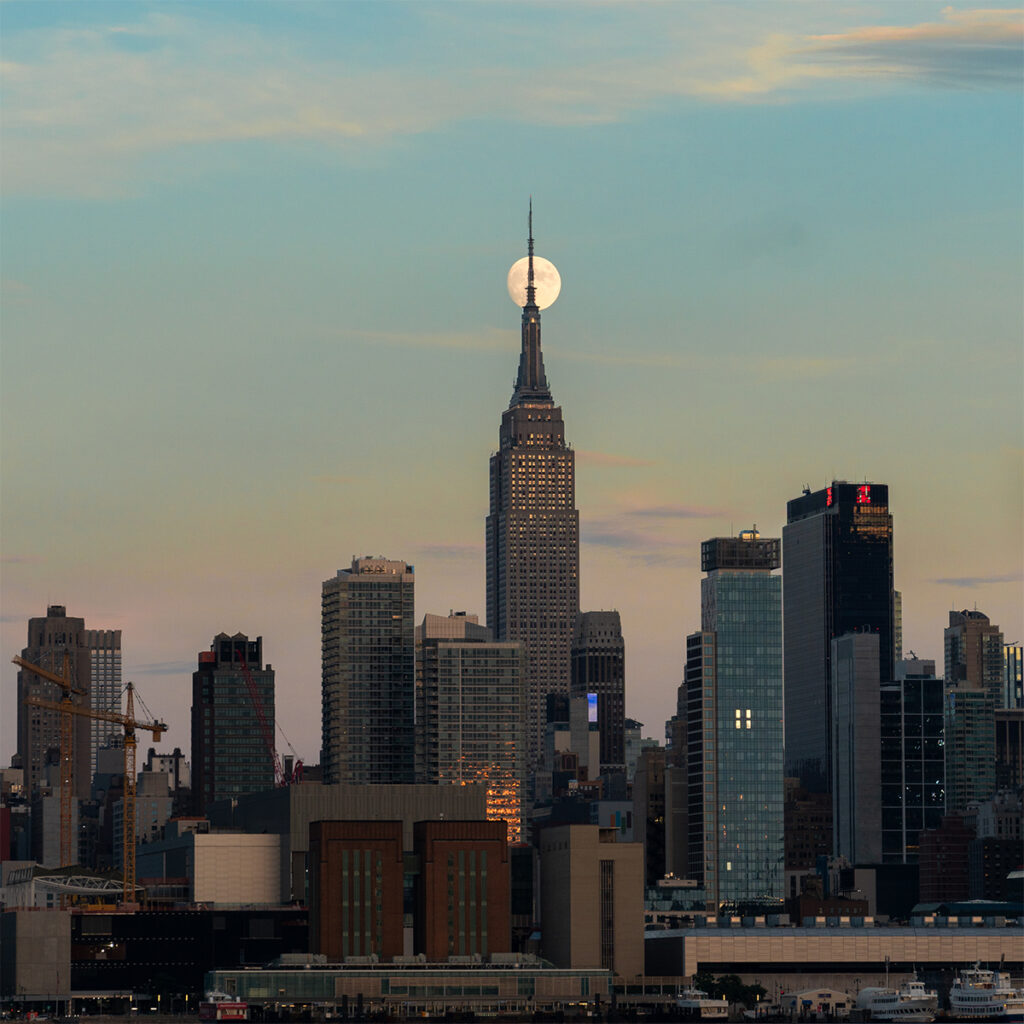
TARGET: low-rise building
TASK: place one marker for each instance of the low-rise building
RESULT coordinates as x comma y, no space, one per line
509,983
592,897
221,868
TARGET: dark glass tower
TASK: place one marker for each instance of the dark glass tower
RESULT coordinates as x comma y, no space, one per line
837,578
913,772
229,752
533,530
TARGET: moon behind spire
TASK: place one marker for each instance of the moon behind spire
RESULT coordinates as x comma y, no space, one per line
546,280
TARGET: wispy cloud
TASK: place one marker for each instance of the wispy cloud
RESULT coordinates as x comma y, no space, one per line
21,559
609,459
676,512
964,50
655,546
85,106
979,581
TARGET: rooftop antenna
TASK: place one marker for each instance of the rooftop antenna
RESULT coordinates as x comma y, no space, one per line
531,291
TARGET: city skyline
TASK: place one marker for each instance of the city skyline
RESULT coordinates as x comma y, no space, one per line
247,339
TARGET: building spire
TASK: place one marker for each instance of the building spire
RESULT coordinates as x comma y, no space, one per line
531,291
532,383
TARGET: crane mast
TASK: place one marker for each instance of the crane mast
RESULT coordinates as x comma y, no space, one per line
129,723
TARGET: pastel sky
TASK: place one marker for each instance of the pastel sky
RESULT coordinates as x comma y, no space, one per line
255,319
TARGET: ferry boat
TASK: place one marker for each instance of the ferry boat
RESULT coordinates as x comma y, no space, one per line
911,1001
978,994
693,1004
221,1006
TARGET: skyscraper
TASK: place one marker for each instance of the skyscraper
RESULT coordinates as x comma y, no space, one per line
368,673
856,749
469,712
229,748
104,685
733,682
975,685
837,578
532,533
599,674
49,639
913,770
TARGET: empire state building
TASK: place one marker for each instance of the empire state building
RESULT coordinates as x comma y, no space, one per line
533,551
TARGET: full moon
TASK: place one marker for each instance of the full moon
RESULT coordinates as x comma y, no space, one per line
546,281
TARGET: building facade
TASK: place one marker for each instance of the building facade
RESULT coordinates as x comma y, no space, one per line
356,889
463,889
599,675
50,639
856,747
1013,659
913,771
104,646
368,673
975,686
231,723
1009,748
734,770
837,578
591,899
532,531
469,713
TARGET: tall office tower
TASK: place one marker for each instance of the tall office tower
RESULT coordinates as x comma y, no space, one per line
532,532
599,674
229,748
49,639
104,685
469,712
1013,659
733,681
837,578
975,683
856,746
913,769
368,673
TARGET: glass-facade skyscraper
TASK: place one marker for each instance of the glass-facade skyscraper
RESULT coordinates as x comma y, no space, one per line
368,673
913,767
734,768
229,746
837,577
532,533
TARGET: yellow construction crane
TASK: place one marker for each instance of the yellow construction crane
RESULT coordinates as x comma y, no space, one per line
66,708
130,724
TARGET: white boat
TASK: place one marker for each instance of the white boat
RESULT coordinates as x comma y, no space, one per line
978,994
911,1001
694,1004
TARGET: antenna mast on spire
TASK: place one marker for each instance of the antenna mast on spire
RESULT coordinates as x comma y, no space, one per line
531,291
